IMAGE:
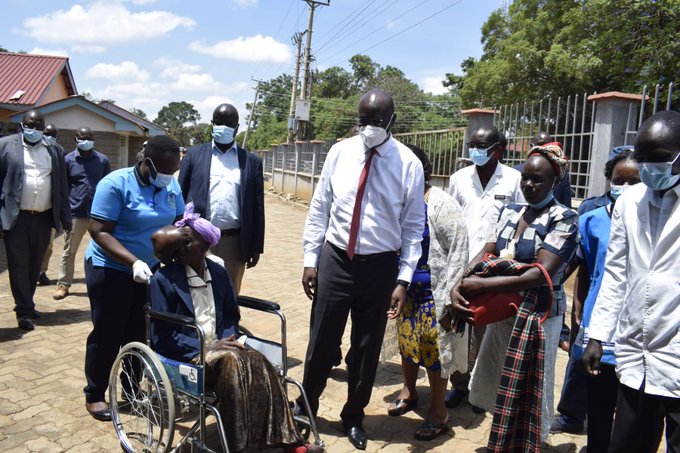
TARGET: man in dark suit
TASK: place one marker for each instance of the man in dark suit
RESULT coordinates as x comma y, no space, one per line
226,184
34,199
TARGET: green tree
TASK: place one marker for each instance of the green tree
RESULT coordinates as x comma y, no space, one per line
556,47
139,112
364,69
176,115
192,134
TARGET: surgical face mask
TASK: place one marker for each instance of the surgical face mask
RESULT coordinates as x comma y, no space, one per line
658,175
372,136
480,156
546,200
31,135
616,190
157,179
223,134
85,145
50,140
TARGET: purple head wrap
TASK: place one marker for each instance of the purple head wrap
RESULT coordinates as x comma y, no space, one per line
193,220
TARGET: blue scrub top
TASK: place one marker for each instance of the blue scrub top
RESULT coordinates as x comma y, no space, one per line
138,211
595,227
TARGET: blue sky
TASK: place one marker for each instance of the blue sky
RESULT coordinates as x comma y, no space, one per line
147,53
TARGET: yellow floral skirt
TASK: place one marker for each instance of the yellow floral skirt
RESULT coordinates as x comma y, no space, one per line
418,324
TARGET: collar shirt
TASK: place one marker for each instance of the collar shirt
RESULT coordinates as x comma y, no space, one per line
204,303
84,173
637,306
225,188
482,205
393,209
36,194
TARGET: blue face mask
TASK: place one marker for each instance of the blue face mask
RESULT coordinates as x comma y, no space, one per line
223,134
542,204
157,179
658,175
31,135
615,190
480,156
85,145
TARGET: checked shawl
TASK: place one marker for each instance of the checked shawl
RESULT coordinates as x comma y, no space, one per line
517,416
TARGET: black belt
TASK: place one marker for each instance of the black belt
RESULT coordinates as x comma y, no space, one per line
30,212
363,258
232,232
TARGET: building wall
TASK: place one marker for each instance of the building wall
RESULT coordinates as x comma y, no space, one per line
76,117
134,147
56,91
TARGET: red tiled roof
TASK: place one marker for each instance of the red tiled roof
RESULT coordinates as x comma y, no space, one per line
32,74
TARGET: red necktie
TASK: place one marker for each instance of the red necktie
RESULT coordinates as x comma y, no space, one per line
356,214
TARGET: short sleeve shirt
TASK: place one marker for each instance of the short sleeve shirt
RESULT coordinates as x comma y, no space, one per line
555,230
137,210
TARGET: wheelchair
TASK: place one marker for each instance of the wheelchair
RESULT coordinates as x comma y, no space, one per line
149,393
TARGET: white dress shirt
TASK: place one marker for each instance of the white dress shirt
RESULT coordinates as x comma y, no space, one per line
482,205
638,304
204,303
36,193
224,189
393,209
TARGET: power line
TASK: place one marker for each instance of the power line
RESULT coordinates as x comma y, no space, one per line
358,13
338,24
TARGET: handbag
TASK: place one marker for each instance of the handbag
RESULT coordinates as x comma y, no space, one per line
493,307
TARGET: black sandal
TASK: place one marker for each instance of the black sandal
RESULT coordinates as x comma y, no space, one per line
401,406
430,431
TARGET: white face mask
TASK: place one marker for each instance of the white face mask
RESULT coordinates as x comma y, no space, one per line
372,136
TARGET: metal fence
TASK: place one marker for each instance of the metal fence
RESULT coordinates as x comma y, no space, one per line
665,97
569,121
443,147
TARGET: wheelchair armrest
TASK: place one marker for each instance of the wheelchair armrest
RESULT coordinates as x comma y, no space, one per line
171,317
258,304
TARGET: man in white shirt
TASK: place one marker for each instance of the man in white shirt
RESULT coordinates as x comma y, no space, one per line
638,302
33,200
367,208
481,190
226,184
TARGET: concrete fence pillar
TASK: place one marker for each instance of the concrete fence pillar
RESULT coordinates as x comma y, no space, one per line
476,119
611,123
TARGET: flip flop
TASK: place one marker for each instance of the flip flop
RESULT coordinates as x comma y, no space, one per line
430,431
401,406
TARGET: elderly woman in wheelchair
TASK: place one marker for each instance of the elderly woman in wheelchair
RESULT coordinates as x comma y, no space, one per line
252,407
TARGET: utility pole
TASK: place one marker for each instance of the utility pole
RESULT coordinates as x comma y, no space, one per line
252,111
297,40
307,78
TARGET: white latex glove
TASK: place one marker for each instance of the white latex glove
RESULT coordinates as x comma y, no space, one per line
141,272
215,259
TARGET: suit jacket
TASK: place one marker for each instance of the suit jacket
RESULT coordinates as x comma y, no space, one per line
170,294
194,179
12,181
637,306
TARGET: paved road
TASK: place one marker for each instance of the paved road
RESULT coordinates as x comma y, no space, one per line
41,372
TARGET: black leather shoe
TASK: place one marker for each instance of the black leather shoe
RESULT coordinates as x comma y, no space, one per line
103,415
357,437
35,314
454,398
25,324
43,279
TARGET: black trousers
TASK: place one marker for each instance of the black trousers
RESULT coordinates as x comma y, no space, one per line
639,422
117,305
362,289
602,392
25,244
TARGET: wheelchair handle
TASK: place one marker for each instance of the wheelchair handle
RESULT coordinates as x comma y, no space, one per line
171,317
258,304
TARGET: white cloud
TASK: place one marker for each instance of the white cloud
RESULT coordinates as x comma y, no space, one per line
246,3
433,85
143,2
256,48
53,52
195,82
125,71
172,68
100,24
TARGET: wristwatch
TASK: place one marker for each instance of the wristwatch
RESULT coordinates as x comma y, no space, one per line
403,283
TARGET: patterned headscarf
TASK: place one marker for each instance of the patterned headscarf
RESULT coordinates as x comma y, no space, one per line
553,152
207,230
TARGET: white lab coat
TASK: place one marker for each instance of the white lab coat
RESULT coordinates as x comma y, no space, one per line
638,305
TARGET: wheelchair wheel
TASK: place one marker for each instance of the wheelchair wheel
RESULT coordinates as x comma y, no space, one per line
141,400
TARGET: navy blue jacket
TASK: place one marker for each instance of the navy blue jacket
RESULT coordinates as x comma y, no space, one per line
83,177
194,179
592,203
170,294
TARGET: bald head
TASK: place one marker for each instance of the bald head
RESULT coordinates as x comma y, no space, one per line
376,108
33,119
51,131
225,115
541,138
84,133
658,139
